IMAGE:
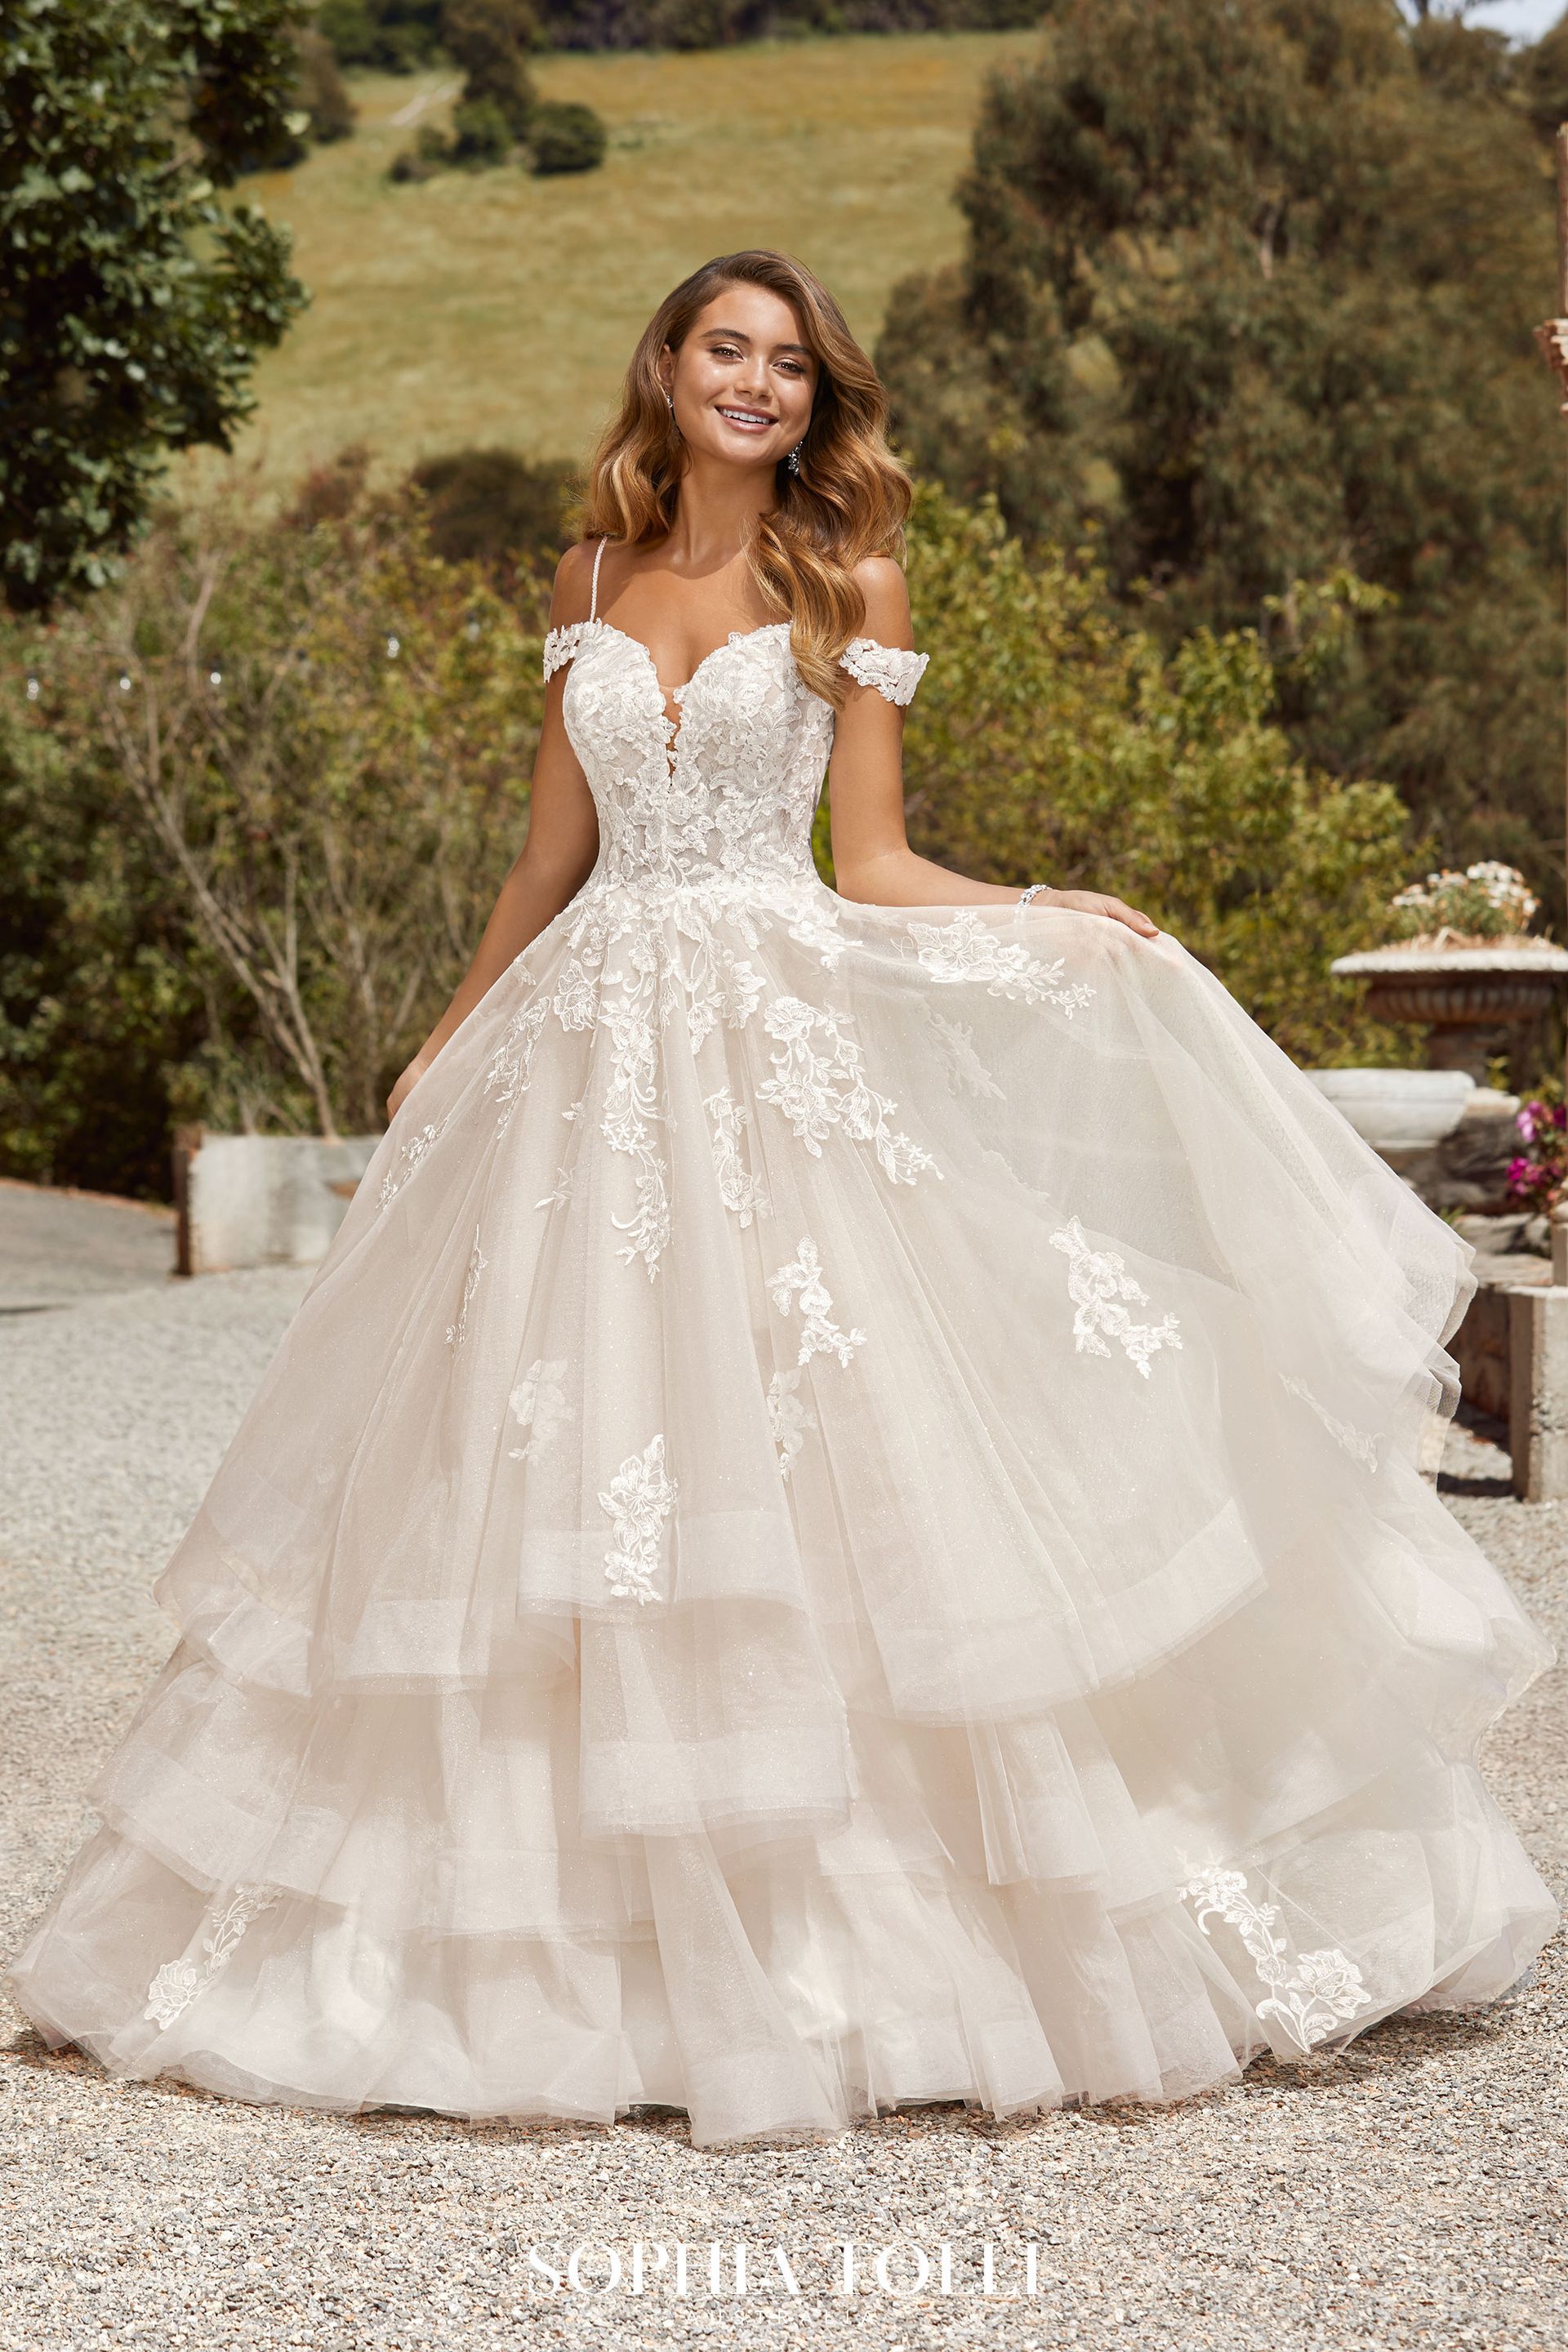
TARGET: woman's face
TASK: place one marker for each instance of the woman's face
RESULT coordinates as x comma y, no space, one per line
743,381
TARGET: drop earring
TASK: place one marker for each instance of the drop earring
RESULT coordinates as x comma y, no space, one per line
669,403
792,463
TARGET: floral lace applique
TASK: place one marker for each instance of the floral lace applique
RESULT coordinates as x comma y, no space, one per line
179,1982
1309,1995
789,1418
560,648
1097,1281
893,670
820,1336
540,1404
412,1152
637,1501
818,1090
738,1189
511,1065
964,950
458,1331
1360,1443
955,1049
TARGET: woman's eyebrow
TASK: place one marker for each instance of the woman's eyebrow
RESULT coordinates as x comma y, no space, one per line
736,335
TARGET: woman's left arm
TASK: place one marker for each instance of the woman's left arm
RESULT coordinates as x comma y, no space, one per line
872,860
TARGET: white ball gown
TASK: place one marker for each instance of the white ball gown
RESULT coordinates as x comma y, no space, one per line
842,1524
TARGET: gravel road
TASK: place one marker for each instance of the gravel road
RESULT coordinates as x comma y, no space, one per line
1410,2192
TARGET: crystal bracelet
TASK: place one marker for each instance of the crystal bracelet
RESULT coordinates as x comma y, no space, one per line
1033,888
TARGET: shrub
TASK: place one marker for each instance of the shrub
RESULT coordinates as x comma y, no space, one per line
1051,739
481,134
394,35
565,138
320,91
266,792
492,507
490,40
431,153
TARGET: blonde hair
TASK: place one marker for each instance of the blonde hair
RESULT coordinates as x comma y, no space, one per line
848,501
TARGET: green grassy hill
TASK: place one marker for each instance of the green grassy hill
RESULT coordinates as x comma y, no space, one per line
499,307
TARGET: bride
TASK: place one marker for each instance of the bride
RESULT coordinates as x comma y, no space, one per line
843,1521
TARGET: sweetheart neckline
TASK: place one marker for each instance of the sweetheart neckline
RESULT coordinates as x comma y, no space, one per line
735,637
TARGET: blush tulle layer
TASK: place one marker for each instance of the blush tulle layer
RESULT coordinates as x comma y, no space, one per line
842,1523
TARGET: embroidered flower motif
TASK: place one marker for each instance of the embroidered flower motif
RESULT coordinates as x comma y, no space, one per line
1097,1281
820,1089
955,1047
512,1066
789,1418
458,1331
412,1152
540,1404
178,1982
739,1190
820,1336
1310,1996
637,1501
1360,1443
965,950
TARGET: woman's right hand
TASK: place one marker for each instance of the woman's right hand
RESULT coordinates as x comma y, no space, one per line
408,1082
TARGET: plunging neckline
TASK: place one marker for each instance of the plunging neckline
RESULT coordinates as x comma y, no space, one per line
676,694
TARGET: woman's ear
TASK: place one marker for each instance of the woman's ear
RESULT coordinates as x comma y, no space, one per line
666,370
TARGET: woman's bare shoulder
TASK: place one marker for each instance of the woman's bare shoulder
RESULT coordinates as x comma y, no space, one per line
573,593
882,584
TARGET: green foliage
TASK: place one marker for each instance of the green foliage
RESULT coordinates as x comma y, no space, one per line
565,138
490,40
1052,740
716,24
133,303
1249,283
264,790
320,92
492,507
393,35
481,134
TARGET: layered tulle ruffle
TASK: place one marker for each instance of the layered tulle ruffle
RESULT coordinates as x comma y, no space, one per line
843,1523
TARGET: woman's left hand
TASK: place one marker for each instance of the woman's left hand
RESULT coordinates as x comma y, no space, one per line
1100,902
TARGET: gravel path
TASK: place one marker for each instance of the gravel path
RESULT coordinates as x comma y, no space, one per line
1408,2193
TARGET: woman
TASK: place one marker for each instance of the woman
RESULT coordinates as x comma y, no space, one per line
842,1522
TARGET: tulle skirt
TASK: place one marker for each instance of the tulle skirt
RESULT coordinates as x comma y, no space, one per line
842,1523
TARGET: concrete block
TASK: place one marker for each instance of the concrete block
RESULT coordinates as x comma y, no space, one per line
262,1200
1538,1391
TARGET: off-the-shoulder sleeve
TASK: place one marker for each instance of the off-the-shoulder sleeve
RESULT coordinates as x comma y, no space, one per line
891,670
560,645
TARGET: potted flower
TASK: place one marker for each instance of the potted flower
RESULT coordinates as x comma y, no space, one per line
1464,965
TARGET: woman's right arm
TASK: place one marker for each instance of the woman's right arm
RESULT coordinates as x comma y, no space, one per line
557,854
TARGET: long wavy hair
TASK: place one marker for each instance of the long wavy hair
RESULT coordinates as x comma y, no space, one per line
849,501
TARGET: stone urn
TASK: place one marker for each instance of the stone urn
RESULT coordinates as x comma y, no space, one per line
1475,1002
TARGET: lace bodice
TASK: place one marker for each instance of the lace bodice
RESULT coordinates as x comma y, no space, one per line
726,792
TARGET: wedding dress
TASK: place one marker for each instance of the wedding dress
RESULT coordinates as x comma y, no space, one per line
843,1523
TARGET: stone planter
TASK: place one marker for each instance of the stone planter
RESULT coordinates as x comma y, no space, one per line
1450,1139
1474,1003
262,1200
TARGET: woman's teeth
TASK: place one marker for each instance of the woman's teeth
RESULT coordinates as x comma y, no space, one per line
748,418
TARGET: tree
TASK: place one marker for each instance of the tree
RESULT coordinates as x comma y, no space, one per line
1251,283
1053,739
490,40
277,771
132,301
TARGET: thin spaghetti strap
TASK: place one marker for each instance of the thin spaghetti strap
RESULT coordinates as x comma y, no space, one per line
593,599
